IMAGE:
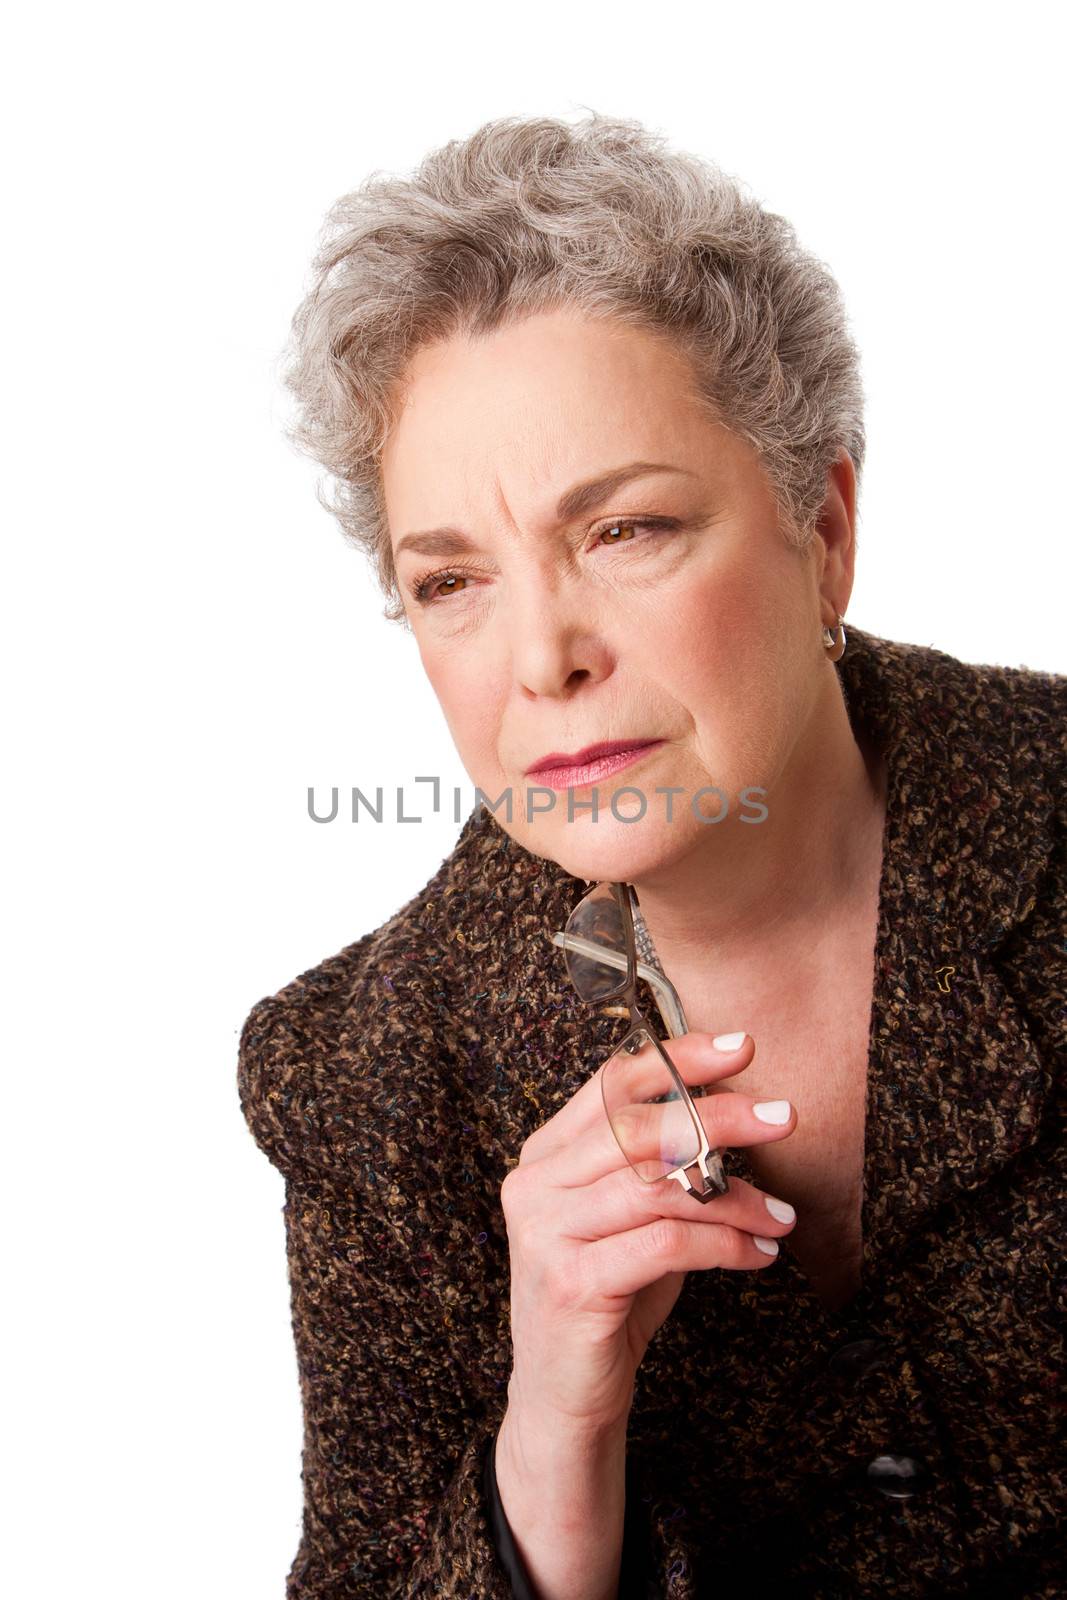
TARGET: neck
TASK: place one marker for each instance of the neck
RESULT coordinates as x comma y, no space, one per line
750,898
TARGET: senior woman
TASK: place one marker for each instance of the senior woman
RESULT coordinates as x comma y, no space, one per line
768,1293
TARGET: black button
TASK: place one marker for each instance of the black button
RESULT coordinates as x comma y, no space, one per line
854,1360
897,1477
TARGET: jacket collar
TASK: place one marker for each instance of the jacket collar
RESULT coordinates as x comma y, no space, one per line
971,807
955,1078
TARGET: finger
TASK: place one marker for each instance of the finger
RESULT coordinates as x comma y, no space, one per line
698,1059
656,1138
620,1201
625,1263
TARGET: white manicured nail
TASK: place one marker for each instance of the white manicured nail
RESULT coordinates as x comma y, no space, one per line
768,1246
772,1110
728,1041
780,1210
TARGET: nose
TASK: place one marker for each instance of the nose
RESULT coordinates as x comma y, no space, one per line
556,650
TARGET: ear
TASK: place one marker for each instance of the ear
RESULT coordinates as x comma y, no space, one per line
836,528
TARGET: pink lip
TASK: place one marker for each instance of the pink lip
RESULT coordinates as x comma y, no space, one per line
596,761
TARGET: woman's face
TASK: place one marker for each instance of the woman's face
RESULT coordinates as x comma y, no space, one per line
666,606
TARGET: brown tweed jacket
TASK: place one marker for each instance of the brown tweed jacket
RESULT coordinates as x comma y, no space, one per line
394,1083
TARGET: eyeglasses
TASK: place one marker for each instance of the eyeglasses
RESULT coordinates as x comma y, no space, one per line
651,1112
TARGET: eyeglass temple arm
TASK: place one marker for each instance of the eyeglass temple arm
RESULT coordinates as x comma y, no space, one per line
666,996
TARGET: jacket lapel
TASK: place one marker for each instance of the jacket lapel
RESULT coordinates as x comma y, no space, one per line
956,1083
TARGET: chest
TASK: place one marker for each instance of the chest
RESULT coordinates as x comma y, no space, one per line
819,1170
817,1058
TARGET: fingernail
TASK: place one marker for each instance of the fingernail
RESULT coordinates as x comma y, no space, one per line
728,1041
781,1210
768,1246
772,1110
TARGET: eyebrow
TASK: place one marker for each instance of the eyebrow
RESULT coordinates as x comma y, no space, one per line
579,498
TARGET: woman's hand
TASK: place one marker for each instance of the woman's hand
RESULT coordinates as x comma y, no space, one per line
598,1256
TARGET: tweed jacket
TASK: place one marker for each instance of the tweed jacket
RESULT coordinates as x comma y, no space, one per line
908,1444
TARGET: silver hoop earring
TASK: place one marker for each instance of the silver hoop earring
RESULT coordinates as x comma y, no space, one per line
835,647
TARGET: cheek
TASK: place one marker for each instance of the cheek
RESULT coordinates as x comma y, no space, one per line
743,614
469,698
733,662
717,634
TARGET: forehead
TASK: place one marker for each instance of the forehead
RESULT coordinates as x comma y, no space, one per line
531,408
530,359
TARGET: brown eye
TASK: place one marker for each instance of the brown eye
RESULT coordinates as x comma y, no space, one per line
634,530
426,589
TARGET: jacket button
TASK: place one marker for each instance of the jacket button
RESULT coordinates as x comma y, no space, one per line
852,1361
897,1477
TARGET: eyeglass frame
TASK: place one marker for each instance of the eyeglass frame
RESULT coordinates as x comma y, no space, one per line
669,1006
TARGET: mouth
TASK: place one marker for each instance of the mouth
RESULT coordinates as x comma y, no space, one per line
591,764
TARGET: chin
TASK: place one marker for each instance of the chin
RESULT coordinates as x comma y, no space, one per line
608,850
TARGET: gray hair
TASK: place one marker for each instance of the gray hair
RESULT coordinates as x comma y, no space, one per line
529,214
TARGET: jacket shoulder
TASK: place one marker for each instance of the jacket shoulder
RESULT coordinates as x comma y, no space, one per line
1021,719
286,1045
1009,720
1038,697
1042,694
331,1050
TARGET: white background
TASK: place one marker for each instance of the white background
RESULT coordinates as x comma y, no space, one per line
189,643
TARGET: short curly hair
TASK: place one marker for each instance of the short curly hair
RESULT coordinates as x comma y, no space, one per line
529,214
